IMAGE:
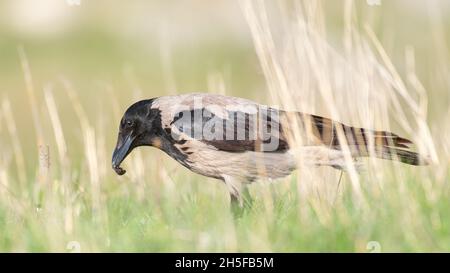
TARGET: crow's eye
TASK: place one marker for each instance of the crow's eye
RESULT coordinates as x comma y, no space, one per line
128,123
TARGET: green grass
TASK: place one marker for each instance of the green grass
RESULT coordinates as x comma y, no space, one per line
198,220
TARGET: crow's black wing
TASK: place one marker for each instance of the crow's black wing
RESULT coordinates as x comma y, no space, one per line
233,130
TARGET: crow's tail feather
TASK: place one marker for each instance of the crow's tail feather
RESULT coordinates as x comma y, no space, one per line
362,142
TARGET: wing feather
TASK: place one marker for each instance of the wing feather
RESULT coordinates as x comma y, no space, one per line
241,131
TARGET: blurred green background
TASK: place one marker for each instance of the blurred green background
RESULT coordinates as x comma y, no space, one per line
115,52
163,47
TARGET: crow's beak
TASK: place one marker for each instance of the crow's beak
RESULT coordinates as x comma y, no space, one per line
123,148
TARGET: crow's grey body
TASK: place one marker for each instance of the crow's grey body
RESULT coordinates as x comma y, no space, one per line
231,166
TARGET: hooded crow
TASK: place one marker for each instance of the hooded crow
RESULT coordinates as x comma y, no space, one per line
239,141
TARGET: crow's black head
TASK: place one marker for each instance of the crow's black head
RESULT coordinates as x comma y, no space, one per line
138,127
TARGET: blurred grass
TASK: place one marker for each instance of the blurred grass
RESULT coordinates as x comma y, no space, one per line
159,205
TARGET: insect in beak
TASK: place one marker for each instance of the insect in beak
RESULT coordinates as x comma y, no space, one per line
123,148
